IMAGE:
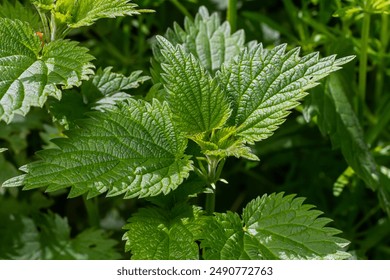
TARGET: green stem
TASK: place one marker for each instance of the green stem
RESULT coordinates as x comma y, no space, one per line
384,39
182,8
45,24
53,28
141,38
363,64
91,206
380,126
212,175
210,203
232,15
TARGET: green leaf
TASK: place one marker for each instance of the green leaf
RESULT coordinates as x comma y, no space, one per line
194,97
223,237
206,38
384,189
191,187
48,237
84,13
67,63
16,134
31,73
272,227
93,244
43,4
7,169
160,234
107,87
263,85
102,92
337,119
135,149
223,143
21,12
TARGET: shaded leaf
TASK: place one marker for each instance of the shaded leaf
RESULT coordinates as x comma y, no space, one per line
337,119
101,92
48,237
223,143
20,12
160,234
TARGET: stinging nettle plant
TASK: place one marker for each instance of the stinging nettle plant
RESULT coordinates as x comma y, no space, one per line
213,96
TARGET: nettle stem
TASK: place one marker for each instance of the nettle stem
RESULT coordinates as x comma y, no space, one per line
214,170
232,14
92,208
363,64
45,24
210,203
53,28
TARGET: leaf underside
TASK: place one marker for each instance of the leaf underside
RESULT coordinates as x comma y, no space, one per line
30,73
135,149
272,227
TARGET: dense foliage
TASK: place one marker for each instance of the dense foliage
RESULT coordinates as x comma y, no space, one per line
160,119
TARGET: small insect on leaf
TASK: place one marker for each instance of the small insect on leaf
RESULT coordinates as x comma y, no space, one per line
40,35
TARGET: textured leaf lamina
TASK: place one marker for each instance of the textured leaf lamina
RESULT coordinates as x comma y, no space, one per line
18,11
135,149
263,85
273,227
161,234
206,39
102,92
194,96
29,74
83,13
110,87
